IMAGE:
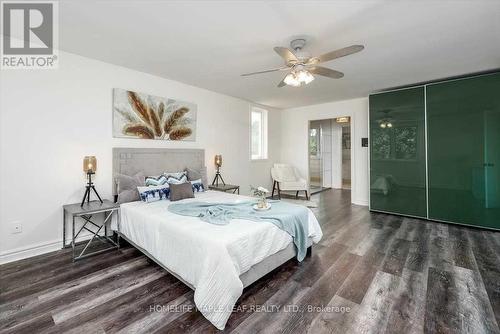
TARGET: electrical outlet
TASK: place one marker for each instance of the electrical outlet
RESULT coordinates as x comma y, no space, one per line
16,227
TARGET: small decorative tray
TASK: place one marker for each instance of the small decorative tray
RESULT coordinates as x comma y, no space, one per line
256,207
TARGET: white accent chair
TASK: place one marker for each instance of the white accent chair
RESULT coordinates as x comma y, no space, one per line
287,178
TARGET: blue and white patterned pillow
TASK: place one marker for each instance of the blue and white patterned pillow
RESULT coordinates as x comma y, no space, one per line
154,193
155,180
197,186
176,178
165,178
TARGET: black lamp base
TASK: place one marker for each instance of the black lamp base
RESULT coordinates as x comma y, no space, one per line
88,187
217,177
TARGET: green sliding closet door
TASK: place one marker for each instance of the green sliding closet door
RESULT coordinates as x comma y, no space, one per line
463,118
397,153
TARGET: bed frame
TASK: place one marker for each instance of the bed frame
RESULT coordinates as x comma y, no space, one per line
154,161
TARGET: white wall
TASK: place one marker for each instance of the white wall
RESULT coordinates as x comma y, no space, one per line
51,119
294,139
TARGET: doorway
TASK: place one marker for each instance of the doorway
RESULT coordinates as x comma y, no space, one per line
319,151
329,154
346,155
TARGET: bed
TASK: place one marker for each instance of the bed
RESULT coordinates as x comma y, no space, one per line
217,262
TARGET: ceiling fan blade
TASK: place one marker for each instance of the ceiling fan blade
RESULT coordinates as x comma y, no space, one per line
336,54
282,83
326,72
266,71
286,54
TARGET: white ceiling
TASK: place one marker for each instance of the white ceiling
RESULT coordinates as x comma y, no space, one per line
210,43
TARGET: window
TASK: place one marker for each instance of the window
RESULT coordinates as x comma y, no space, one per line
258,132
398,143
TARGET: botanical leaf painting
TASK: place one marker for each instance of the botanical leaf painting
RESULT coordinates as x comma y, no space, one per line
138,115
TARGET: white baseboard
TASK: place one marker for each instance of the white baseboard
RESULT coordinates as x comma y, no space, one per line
360,202
36,249
30,251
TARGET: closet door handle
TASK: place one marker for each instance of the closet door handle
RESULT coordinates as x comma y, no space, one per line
488,164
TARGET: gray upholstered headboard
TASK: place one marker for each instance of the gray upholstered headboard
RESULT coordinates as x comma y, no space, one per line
155,161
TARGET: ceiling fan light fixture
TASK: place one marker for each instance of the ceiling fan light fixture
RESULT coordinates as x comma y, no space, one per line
292,80
385,123
298,78
305,77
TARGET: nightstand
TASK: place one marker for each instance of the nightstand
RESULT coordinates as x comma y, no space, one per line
225,188
85,213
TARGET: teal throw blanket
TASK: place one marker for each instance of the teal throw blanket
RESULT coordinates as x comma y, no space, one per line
291,218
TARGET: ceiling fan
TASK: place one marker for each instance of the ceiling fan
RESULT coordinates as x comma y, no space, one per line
387,121
302,66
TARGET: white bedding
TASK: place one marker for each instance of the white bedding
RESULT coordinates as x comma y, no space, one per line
209,257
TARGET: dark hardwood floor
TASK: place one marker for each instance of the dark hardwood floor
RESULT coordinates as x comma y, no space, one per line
371,273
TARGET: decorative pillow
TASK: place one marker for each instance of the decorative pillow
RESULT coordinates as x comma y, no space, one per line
176,178
126,187
194,174
198,186
155,180
154,193
181,191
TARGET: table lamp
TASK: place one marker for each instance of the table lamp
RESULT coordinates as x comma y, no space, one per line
89,167
218,164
